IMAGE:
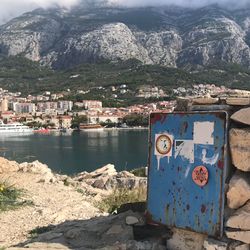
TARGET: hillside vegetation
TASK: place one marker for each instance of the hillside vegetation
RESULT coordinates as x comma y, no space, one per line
20,74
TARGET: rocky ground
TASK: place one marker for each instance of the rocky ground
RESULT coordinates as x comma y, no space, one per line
63,213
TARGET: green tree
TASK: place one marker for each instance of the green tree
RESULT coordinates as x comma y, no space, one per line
136,120
78,119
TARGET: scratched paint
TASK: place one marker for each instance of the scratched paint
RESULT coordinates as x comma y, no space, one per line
174,199
209,160
185,149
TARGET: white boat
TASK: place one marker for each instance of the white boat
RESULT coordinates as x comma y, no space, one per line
15,128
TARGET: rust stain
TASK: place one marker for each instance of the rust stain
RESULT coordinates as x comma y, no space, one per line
220,164
203,208
184,128
157,117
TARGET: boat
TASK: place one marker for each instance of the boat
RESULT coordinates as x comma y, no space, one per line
15,128
42,131
91,127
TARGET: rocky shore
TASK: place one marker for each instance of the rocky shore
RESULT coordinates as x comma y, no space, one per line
65,208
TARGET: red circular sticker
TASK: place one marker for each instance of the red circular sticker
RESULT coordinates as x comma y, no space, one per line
200,176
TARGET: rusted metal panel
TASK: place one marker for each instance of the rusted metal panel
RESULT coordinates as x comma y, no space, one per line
187,167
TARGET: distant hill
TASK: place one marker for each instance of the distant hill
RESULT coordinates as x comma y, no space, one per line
170,46
20,74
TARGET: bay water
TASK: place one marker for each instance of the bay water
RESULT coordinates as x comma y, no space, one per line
79,151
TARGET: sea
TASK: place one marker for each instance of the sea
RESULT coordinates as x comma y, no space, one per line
72,153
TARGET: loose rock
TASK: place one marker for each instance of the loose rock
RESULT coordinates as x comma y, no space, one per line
131,220
8,166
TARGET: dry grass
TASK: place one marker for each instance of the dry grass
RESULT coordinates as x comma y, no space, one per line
122,196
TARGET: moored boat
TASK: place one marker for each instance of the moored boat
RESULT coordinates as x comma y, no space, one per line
91,127
16,128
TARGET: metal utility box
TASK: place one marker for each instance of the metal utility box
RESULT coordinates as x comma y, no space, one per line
187,170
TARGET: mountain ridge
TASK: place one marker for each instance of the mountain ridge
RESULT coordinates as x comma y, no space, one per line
166,36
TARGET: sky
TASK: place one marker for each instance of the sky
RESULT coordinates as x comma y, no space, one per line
13,8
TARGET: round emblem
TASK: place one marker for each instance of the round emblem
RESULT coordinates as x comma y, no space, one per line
200,176
163,144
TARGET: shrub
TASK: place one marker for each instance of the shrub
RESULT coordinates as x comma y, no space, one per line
122,196
11,197
140,172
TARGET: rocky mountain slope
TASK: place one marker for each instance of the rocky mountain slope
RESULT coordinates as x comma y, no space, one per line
169,36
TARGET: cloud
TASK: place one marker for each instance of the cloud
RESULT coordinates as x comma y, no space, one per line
13,8
183,3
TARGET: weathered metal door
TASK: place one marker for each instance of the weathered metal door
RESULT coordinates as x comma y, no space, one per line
187,167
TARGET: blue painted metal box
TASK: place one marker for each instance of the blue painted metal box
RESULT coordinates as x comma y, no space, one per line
187,170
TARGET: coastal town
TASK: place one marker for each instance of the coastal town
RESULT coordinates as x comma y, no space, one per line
55,110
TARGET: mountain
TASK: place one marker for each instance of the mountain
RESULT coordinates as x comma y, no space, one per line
167,36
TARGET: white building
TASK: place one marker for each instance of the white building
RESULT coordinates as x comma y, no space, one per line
22,108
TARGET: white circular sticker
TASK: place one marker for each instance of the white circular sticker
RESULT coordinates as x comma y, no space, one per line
163,144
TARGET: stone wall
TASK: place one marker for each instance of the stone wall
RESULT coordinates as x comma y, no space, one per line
237,207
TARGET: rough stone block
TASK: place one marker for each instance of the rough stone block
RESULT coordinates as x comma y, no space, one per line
205,100
212,244
185,240
241,218
240,148
239,190
239,101
242,116
243,236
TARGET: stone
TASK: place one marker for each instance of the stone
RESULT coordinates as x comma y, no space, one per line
243,236
238,101
72,233
238,246
115,229
241,218
239,146
8,166
183,239
108,169
212,244
41,246
131,220
239,190
242,116
239,93
210,107
205,100
183,104
49,236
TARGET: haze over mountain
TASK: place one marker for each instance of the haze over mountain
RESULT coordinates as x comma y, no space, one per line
170,36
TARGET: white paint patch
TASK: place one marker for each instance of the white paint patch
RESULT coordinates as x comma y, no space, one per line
187,171
209,160
203,133
185,148
158,161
